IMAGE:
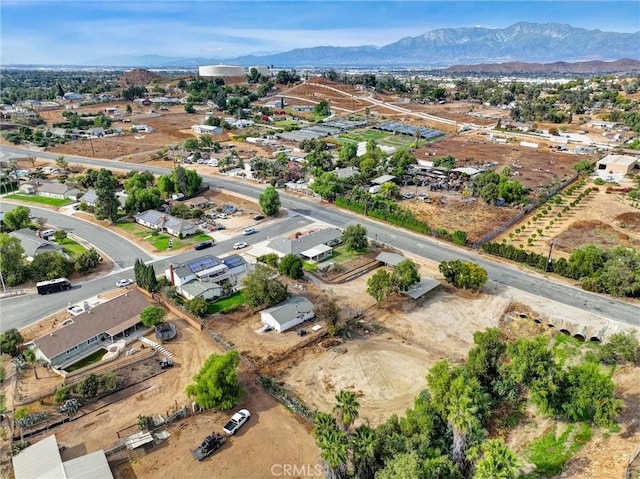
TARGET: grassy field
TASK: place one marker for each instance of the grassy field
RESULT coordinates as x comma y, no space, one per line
160,241
224,303
363,135
286,123
43,200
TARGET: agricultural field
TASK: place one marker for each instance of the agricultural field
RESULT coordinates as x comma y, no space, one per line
600,216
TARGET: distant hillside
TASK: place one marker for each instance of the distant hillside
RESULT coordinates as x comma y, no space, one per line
522,42
137,77
626,65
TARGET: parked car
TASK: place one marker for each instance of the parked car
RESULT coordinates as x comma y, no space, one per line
236,421
222,216
240,245
124,282
166,363
203,245
249,231
258,217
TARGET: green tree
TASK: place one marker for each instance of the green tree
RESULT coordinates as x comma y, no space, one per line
497,461
216,386
10,341
583,167
380,285
589,395
88,387
363,452
346,408
462,418
12,263
139,180
403,466
106,203
262,289
62,394
108,381
88,261
269,259
447,162
489,193
620,347
59,236
291,265
406,274
269,201
145,423
50,265
197,306
390,190
166,185
152,316
322,108
354,237
347,154
17,218
142,199
62,163
462,274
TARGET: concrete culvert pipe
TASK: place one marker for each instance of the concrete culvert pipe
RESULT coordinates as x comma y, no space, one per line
598,336
565,328
581,333
538,319
551,323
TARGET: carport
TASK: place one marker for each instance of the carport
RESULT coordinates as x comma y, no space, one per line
424,286
318,253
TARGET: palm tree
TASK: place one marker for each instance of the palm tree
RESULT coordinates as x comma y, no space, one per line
346,408
497,462
363,449
334,454
462,420
323,424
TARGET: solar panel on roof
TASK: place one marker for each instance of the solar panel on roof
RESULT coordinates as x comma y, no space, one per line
202,263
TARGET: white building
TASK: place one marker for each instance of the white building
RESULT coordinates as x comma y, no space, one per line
288,314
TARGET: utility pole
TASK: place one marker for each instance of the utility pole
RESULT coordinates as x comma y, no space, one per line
546,268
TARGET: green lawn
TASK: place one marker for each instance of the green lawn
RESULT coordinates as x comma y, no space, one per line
160,240
73,248
342,254
224,303
92,358
40,199
285,123
363,135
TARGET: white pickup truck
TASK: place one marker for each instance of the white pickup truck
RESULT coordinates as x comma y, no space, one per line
237,420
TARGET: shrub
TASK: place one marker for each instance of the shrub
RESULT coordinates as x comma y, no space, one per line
62,394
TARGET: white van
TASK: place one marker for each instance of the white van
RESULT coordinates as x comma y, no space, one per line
47,233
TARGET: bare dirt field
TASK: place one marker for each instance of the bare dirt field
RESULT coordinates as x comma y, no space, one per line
534,168
453,212
160,395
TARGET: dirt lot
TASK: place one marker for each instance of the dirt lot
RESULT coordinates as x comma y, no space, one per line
162,394
453,212
534,168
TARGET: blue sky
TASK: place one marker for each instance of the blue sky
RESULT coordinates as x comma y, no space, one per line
77,31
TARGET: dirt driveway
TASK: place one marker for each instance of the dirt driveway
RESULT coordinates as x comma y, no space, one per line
99,429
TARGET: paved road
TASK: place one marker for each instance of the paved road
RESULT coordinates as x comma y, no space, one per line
422,246
20,311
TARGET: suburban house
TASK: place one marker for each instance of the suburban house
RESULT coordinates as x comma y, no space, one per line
288,314
43,460
34,245
70,95
50,189
90,197
159,221
142,128
206,129
314,246
204,276
199,202
91,330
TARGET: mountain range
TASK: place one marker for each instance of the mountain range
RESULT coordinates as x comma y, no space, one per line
521,42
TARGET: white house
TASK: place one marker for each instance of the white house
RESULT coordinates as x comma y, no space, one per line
203,276
163,222
288,314
206,129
